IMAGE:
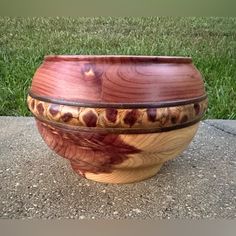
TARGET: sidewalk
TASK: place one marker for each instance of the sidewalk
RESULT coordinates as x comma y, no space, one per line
36,183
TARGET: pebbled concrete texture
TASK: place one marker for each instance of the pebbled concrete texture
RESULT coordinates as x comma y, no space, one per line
36,183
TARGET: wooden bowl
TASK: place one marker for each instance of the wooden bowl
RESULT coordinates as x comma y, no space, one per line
117,119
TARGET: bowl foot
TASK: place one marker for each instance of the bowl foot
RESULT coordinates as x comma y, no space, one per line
122,176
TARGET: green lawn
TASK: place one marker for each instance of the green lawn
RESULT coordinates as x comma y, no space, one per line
211,42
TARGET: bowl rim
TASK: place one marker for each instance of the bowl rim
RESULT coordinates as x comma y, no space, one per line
138,58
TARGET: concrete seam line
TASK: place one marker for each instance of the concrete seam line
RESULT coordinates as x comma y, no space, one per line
216,127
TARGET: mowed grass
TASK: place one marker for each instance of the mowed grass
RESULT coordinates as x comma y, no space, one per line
211,42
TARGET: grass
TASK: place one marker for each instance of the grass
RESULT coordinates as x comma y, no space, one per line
211,42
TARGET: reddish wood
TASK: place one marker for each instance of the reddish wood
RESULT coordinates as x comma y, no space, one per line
117,79
116,158
88,152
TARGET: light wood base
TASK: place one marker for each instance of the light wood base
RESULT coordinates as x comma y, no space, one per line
157,149
124,176
117,158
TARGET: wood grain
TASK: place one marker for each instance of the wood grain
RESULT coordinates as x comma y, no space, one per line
118,79
116,158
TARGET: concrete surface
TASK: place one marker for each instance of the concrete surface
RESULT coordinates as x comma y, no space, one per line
36,183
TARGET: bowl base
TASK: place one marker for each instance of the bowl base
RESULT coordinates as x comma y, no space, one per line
123,176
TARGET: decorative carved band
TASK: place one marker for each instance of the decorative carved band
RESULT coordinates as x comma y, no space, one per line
120,119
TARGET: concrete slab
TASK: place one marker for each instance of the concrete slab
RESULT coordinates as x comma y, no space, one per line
36,183
228,126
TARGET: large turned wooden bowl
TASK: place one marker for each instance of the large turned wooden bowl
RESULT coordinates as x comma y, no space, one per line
117,119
